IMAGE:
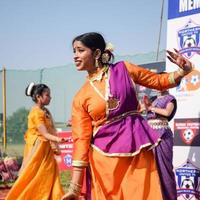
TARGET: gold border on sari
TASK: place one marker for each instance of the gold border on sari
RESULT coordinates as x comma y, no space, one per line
151,146
115,119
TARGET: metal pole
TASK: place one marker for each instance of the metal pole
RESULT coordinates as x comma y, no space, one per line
160,31
4,108
41,74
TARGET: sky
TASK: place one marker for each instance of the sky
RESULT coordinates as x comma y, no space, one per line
38,33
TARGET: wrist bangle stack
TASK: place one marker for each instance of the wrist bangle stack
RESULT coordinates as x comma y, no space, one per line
75,188
181,72
79,169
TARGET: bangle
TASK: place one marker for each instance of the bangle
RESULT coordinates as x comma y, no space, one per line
75,188
181,72
79,169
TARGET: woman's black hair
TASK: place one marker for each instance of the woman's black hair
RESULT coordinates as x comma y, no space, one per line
94,41
34,90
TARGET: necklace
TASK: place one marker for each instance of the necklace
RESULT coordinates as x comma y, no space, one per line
98,75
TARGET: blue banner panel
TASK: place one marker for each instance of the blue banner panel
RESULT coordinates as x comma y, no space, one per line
181,8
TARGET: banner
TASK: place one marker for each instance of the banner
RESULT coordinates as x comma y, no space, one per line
183,34
65,159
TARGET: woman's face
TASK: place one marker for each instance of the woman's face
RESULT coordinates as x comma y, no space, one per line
83,57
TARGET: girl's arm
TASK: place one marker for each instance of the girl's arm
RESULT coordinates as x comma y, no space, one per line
163,111
43,130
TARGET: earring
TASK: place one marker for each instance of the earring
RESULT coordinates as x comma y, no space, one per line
96,63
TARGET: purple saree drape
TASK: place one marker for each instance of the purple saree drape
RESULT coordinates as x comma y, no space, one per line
127,132
164,151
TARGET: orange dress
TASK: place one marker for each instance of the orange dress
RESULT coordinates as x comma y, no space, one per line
114,177
39,175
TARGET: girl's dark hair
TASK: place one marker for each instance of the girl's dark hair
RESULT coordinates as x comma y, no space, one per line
152,98
94,41
35,89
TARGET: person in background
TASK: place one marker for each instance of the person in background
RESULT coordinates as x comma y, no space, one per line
9,168
39,176
111,139
160,110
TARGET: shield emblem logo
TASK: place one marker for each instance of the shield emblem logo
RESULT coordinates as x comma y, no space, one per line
188,180
189,39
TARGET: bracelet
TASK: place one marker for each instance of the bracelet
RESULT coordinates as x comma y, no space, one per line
181,72
79,169
75,188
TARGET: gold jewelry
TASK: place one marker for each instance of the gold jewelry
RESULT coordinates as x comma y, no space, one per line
113,103
96,63
181,72
171,78
110,47
105,58
78,169
54,146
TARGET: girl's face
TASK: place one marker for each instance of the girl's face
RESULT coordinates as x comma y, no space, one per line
83,57
45,98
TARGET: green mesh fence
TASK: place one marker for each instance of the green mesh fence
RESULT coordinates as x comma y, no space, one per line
64,82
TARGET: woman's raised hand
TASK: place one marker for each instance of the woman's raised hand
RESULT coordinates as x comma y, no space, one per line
176,58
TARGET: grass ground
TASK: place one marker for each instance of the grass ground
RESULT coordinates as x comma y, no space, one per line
65,177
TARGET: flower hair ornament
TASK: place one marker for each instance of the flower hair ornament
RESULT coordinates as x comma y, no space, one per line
30,87
109,47
107,53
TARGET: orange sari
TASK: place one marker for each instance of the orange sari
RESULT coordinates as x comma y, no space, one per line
39,176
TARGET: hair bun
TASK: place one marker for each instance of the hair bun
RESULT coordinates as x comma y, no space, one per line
29,89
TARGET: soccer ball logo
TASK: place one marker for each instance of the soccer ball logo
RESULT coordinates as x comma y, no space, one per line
188,135
187,184
189,42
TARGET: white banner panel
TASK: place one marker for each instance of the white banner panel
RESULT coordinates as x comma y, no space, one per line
183,33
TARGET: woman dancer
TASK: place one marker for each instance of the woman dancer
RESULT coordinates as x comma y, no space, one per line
110,137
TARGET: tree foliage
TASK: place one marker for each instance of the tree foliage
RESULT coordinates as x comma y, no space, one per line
17,125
